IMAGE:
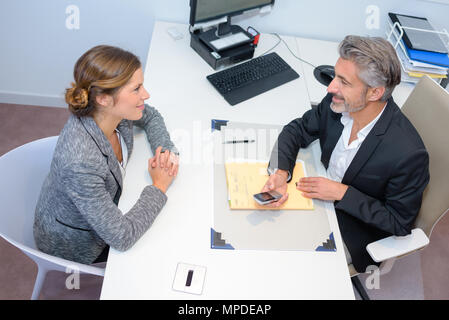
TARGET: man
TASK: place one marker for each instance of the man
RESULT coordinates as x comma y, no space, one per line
376,161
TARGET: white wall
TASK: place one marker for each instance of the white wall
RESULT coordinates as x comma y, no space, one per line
38,51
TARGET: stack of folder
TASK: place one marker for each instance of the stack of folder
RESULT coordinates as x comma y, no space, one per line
422,52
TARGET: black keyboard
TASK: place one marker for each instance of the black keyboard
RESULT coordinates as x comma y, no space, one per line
251,78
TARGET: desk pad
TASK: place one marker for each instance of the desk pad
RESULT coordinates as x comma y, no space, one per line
254,229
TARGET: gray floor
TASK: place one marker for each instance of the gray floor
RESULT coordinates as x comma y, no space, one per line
419,276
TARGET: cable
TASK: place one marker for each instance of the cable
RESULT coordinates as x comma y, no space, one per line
279,41
283,41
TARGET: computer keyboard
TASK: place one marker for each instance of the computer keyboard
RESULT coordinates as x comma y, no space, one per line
251,78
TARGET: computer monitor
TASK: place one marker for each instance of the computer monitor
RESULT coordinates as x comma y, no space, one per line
207,10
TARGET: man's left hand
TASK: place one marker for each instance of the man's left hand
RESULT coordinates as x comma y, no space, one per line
321,188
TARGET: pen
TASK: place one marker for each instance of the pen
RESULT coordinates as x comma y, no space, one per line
239,141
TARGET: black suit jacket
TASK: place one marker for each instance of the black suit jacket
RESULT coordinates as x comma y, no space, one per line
386,178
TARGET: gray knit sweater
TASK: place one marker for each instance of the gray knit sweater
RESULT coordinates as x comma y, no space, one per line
77,213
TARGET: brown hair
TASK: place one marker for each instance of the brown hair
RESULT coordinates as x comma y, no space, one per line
101,70
376,59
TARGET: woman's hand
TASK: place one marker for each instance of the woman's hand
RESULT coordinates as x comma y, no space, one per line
167,160
161,176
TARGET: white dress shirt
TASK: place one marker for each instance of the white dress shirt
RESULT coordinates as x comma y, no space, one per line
344,152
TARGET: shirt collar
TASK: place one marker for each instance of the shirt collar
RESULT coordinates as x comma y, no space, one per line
347,122
347,119
364,132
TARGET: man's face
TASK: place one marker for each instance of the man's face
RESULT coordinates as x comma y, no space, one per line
349,92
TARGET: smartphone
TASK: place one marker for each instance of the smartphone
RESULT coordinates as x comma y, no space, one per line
267,197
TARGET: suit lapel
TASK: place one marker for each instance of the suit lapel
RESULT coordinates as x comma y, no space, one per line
369,145
366,149
333,134
105,147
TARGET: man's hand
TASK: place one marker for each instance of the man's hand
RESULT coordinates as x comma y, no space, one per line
277,182
321,188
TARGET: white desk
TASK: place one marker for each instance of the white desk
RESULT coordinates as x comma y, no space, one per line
175,77
319,52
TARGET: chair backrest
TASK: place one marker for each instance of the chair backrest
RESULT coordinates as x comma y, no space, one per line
427,108
22,173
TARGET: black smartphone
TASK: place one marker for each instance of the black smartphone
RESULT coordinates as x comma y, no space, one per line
267,197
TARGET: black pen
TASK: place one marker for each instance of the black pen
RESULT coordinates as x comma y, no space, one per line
239,141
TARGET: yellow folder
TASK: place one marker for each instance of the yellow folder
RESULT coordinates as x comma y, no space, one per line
421,74
244,179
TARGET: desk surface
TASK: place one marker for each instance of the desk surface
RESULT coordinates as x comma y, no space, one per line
175,77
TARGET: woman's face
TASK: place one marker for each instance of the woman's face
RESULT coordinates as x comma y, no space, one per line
129,102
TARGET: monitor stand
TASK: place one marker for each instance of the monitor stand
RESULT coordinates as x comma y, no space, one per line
224,28
208,37
200,42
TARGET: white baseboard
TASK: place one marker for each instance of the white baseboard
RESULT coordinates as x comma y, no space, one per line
32,99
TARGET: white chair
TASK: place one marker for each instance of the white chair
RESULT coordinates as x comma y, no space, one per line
427,108
22,173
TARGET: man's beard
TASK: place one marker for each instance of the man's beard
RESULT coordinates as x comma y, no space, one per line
345,107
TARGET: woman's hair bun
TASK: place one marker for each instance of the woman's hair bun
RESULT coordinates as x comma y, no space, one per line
102,70
77,98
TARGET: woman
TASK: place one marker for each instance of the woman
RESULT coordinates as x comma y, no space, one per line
77,217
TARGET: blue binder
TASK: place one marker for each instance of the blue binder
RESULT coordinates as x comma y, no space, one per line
436,58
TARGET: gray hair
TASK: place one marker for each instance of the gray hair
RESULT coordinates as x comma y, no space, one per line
376,59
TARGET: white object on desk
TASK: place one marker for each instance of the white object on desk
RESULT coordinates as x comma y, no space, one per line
174,33
225,42
189,278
